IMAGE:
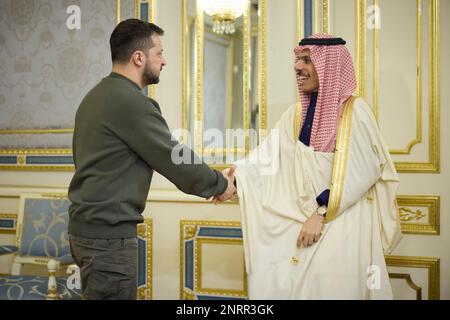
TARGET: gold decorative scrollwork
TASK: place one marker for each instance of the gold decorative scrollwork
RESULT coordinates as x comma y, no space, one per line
407,214
412,220
189,232
141,230
188,295
141,294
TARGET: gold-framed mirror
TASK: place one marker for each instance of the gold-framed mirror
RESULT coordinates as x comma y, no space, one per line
223,79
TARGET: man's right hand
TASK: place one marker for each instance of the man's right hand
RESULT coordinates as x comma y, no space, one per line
231,189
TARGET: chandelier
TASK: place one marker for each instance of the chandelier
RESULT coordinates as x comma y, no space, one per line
224,13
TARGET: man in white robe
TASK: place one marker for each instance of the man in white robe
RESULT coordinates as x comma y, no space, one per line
319,213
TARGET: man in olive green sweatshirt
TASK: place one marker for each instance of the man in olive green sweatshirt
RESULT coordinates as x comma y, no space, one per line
120,137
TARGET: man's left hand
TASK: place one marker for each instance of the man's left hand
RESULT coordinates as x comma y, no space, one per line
311,231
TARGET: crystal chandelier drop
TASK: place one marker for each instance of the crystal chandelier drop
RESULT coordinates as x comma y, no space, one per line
224,13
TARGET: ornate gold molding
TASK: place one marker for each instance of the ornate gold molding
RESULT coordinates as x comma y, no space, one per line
410,219
11,216
409,281
136,8
432,165
246,76
360,7
407,214
262,73
34,131
418,138
188,295
300,20
191,232
376,60
432,264
118,12
38,168
316,15
325,17
150,18
199,289
320,17
36,151
54,195
198,67
22,156
145,231
224,151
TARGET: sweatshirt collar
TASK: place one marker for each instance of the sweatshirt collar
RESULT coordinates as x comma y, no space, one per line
119,76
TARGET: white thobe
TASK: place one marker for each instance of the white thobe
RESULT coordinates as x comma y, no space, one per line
278,185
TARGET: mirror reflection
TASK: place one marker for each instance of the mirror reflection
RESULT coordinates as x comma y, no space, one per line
221,80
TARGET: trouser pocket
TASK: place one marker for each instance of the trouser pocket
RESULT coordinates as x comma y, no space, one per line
112,276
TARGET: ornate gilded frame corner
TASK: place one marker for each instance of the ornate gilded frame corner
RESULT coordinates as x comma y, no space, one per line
193,234
145,260
408,215
430,263
409,282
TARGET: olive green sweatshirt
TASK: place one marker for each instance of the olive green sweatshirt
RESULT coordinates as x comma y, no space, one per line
120,137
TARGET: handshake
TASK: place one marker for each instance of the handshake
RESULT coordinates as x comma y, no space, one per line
231,188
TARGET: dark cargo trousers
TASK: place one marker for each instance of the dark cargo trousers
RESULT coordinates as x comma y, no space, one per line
108,267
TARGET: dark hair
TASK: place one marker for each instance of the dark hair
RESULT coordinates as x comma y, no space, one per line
131,35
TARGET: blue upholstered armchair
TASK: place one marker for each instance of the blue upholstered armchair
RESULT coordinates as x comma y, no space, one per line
42,239
41,236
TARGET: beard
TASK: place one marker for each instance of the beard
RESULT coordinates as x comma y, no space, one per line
149,77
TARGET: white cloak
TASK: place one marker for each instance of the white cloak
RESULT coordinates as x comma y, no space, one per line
277,186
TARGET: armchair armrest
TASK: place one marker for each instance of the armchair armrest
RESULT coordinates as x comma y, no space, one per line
65,260
8,249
